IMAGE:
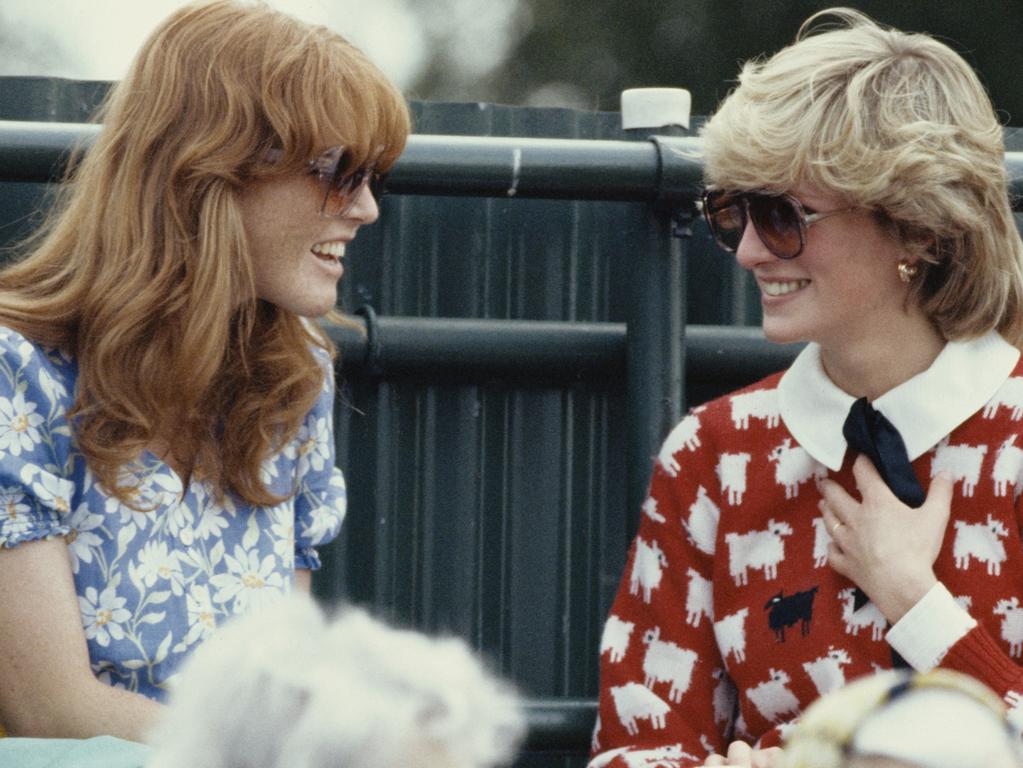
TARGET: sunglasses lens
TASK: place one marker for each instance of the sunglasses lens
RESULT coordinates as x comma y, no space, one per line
726,217
778,223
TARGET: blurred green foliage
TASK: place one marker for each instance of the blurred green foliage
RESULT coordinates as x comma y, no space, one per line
583,53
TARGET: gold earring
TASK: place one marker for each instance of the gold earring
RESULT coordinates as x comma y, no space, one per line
907,271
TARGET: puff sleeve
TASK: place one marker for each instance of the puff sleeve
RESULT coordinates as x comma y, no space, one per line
35,443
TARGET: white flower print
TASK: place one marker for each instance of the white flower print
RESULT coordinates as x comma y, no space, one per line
313,445
212,522
103,614
268,470
81,541
52,388
51,491
180,523
337,481
202,617
322,523
14,512
250,582
284,541
155,563
18,425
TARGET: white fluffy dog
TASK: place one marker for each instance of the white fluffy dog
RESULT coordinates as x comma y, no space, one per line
285,688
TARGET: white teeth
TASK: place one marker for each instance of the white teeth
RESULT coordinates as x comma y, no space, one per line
334,249
780,289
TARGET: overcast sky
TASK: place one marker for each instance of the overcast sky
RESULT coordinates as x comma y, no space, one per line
95,39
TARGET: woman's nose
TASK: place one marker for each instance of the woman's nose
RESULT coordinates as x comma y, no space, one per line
366,210
751,250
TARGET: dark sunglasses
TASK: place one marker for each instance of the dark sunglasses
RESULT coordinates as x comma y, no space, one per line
780,221
342,184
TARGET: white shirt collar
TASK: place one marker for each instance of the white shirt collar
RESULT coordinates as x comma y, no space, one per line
925,408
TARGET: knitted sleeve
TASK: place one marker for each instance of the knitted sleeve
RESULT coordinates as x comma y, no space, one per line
979,653
664,695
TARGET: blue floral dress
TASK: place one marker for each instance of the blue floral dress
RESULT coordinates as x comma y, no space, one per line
152,585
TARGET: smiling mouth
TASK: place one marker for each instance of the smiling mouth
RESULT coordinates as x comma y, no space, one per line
333,251
783,288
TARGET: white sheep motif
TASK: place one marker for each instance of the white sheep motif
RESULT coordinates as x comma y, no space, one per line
685,435
650,510
730,633
757,550
981,541
731,472
615,639
868,615
761,404
636,702
647,568
1010,394
666,662
1008,468
960,462
699,598
1012,624
660,757
794,466
826,671
772,698
821,539
702,525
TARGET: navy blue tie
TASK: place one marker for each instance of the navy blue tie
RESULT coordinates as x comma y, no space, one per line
869,432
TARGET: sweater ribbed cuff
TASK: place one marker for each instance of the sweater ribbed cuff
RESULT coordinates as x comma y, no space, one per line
930,629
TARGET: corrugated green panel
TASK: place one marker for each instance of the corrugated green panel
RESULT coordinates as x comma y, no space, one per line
493,512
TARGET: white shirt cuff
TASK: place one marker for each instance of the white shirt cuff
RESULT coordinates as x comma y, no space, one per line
930,628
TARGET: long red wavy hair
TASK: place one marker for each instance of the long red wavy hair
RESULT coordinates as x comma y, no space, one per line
142,270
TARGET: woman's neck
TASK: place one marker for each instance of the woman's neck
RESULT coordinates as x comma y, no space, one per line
870,367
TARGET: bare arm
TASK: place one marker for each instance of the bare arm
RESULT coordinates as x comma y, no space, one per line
303,580
47,688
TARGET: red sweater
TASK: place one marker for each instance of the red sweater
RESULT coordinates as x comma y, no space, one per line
729,621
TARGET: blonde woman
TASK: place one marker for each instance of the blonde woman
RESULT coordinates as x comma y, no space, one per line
858,511
166,448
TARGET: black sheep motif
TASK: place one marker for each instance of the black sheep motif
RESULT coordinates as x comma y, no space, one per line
786,611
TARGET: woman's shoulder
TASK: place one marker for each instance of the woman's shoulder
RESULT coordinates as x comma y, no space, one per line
30,369
758,400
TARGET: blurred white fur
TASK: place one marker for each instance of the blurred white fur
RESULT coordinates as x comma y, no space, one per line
285,688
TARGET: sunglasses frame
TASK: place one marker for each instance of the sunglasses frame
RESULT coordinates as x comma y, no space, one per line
804,220
331,170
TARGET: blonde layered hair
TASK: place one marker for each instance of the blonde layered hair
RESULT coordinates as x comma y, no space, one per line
143,271
898,123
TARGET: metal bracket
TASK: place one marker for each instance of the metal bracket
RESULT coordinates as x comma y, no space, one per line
374,348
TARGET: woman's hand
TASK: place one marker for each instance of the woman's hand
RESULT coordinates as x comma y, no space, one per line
883,546
742,754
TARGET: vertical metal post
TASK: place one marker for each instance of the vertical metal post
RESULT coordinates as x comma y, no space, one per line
655,336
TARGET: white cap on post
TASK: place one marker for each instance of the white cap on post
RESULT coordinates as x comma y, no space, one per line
655,107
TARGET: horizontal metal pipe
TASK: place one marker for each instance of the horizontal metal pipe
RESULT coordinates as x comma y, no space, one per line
555,352
559,725
667,170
